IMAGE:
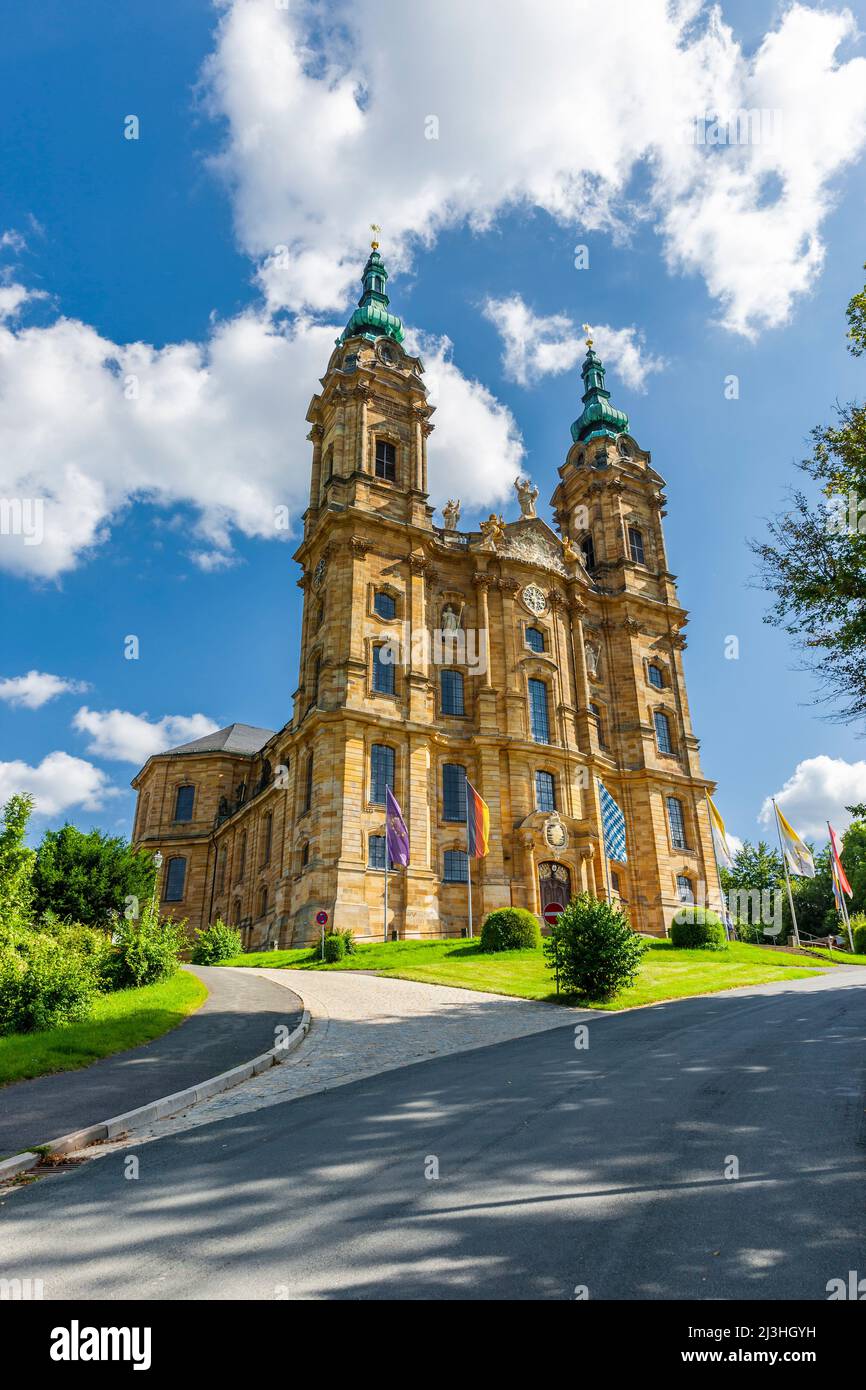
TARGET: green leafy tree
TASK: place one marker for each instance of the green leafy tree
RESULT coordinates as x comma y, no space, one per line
593,949
854,859
814,903
89,877
16,862
814,560
757,868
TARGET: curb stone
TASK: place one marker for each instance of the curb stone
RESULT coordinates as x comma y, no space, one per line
156,1109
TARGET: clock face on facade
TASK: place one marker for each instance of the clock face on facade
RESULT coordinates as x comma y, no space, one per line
319,572
533,599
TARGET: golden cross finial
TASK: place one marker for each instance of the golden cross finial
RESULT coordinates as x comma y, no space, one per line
375,229
587,328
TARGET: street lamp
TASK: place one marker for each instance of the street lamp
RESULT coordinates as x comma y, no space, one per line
157,859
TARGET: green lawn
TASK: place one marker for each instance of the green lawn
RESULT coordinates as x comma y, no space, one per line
666,973
119,1021
838,957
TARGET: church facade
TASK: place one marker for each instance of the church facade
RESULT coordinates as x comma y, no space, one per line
537,660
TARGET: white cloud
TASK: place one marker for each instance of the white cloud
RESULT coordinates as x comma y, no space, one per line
133,738
318,146
819,790
37,688
535,345
58,783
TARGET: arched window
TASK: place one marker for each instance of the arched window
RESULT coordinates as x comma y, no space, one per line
454,792
545,791
588,548
456,866
534,638
175,876
386,460
539,719
305,854
663,732
315,675
183,803
320,615
381,772
685,891
263,900
267,837
329,463
451,686
599,721
655,676
677,823
635,545
383,670
242,857
308,786
385,605
221,870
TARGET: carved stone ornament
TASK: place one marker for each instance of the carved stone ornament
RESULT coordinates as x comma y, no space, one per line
451,513
555,833
533,600
527,495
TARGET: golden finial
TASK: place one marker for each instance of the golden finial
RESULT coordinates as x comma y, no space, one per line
375,229
587,328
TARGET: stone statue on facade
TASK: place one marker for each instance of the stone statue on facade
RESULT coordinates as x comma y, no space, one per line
493,530
451,513
527,496
591,653
570,554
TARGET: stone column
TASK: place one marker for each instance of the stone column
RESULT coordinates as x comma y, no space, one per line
316,435
362,394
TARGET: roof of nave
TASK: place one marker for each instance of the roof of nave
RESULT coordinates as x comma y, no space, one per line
234,738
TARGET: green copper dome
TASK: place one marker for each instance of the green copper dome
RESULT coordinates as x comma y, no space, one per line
371,318
598,416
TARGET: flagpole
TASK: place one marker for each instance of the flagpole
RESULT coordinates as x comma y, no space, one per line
385,923
468,861
787,875
725,913
845,916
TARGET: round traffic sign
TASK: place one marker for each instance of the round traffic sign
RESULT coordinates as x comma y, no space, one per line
551,912
322,918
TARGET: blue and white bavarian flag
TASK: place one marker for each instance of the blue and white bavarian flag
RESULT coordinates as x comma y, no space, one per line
613,825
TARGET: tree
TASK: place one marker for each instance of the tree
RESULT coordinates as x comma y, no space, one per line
593,949
16,861
853,858
89,877
814,561
757,868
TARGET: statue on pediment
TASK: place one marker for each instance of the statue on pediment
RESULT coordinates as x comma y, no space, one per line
451,513
493,530
527,495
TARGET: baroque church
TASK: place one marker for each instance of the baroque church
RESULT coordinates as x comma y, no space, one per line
534,660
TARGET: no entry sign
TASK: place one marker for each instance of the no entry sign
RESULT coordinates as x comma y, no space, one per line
551,912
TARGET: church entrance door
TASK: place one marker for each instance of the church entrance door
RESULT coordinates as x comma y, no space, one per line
554,885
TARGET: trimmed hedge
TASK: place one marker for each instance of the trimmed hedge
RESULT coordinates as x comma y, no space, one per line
510,929
696,929
335,947
593,949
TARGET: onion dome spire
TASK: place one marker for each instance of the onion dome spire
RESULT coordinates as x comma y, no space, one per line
598,416
371,319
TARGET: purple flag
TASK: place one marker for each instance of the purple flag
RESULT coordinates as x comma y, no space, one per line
396,834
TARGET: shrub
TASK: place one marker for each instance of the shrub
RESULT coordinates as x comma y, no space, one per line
697,929
217,942
510,929
349,941
143,951
594,949
335,947
44,982
858,932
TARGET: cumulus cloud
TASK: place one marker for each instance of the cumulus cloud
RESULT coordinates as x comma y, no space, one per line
133,738
818,790
58,783
37,688
535,345
318,142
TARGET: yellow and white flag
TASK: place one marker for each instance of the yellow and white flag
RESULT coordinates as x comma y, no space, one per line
720,839
797,854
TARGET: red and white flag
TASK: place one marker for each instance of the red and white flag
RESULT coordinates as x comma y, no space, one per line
840,872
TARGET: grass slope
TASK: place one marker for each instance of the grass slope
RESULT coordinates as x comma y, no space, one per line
666,973
119,1021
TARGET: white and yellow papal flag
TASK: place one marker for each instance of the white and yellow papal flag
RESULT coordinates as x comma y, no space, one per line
720,839
798,855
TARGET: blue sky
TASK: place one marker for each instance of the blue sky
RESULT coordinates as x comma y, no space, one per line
149,242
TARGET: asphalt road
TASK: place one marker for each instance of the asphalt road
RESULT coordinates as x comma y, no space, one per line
234,1024
558,1169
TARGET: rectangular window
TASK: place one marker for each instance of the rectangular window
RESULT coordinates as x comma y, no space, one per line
614,881
385,605
545,792
175,875
456,866
383,671
685,893
267,837
308,785
221,872
655,677
635,545
386,461
676,823
376,852
452,692
454,792
184,802
381,772
663,732
538,716
602,741
534,638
